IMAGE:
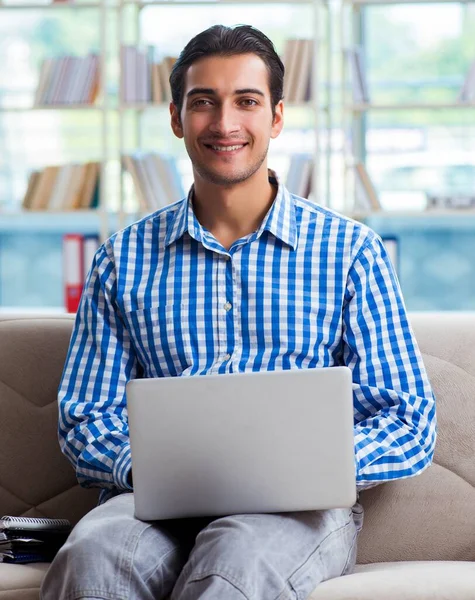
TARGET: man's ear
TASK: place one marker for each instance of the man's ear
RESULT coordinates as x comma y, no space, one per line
278,122
176,121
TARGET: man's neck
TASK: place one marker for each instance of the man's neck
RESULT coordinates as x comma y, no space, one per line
230,213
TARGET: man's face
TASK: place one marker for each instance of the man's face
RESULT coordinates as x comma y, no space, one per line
226,119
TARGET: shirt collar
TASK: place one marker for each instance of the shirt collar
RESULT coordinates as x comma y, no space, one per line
280,220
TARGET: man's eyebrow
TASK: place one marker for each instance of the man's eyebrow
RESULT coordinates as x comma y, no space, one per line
212,92
201,90
250,91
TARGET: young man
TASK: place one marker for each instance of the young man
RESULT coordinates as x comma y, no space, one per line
239,276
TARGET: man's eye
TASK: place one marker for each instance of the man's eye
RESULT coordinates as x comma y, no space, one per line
249,102
202,102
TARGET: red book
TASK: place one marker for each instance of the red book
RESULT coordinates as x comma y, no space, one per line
73,270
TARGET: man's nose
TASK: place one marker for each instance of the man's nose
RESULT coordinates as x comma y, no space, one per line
225,121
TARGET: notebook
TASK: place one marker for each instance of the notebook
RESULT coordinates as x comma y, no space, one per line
242,443
9,523
31,539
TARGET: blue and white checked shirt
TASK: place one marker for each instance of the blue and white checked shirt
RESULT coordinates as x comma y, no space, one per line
310,288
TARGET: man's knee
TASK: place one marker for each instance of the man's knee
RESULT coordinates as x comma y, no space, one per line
212,586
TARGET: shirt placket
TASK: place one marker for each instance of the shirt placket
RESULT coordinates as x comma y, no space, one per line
225,310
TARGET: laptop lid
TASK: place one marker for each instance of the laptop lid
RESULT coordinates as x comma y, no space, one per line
242,443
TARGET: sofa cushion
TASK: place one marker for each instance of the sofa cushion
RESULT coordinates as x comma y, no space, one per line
432,516
35,478
21,582
429,517
403,581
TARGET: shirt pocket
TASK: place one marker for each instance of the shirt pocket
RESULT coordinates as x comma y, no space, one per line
161,339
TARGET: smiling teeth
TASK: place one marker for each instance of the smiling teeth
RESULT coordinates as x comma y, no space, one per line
226,148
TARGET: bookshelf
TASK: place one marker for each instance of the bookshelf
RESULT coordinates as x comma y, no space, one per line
31,266
434,246
355,113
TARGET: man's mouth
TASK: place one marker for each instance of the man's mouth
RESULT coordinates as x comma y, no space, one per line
227,148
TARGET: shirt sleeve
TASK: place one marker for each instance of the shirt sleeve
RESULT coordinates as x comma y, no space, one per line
395,418
93,425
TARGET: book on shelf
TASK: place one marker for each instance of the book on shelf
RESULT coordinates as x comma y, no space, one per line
357,75
143,78
155,177
300,175
467,91
68,80
291,69
33,180
298,62
166,66
304,79
78,252
366,197
73,270
41,192
63,187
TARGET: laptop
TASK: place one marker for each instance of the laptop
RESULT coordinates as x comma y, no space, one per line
216,445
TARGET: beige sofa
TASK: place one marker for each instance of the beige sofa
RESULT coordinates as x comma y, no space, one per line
418,541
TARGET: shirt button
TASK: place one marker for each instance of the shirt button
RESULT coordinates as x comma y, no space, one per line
227,357
228,306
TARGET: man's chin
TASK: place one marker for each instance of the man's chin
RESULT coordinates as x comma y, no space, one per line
224,179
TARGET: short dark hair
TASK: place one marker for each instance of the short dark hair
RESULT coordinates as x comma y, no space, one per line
220,40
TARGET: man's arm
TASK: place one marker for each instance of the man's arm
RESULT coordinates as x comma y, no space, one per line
93,427
395,420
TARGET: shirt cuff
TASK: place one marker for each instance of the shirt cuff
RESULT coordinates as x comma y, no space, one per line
122,468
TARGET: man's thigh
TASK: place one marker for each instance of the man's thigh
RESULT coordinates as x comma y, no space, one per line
274,556
111,554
